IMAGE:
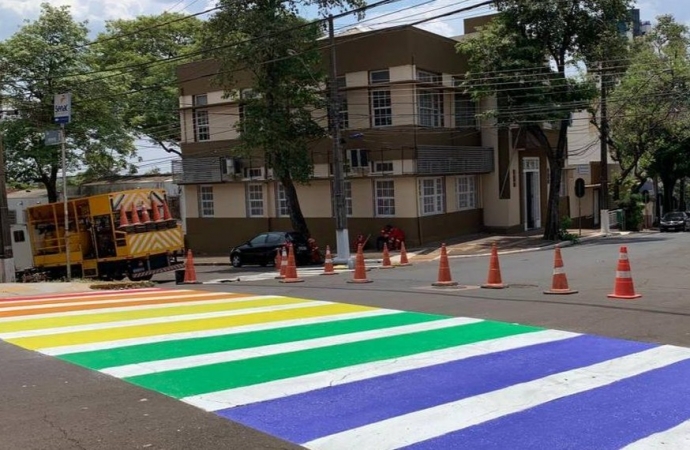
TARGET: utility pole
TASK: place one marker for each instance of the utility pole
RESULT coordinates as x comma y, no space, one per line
65,203
341,234
6,256
604,167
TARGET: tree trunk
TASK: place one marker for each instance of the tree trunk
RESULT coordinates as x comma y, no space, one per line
553,222
297,220
681,196
50,182
669,186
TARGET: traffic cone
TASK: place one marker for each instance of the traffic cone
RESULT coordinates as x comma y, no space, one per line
283,264
494,280
135,215
559,285
328,264
386,258
278,263
124,222
291,269
444,277
189,271
403,256
624,287
155,212
360,275
145,218
167,217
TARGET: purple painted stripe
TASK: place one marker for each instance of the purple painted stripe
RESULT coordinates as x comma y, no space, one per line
605,418
304,417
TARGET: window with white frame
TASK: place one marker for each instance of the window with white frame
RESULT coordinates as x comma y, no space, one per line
430,108
348,197
281,202
385,198
200,100
379,76
381,108
465,111
206,207
202,129
344,117
382,166
255,200
466,191
428,77
432,198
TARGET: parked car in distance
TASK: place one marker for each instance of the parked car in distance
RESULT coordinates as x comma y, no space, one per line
261,249
674,221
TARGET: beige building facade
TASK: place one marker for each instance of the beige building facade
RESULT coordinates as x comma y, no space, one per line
416,154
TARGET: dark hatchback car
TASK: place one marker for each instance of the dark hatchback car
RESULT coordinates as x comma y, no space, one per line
261,250
674,221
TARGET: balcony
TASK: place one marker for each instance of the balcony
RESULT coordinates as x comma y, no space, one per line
439,160
198,170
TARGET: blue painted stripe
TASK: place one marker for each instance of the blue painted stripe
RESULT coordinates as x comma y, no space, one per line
605,418
304,417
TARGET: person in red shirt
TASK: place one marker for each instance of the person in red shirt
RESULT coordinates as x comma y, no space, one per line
396,238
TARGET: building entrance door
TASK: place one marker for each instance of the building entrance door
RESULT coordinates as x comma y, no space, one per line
531,189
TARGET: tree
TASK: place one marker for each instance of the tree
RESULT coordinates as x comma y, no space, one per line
48,57
278,50
151,47
521,57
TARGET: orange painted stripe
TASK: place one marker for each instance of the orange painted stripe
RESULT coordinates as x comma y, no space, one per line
179,299
73,294
124,296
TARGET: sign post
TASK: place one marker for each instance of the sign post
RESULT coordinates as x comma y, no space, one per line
62,114
579,193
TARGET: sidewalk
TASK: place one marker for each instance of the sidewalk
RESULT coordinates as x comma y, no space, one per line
8,290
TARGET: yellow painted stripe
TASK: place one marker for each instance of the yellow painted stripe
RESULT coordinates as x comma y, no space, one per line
144,313
138,331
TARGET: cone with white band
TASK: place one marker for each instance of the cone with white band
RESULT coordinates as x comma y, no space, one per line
624,288
559,285
328,268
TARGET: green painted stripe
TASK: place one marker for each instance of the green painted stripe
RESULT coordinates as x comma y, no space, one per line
101,359
217,377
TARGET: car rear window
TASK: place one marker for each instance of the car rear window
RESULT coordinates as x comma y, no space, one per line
297,237
674,216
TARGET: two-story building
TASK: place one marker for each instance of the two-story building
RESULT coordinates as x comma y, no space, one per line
417,155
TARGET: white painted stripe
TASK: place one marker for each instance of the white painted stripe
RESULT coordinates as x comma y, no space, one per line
146,368
433,422
676,438
558,271
280,388
84,295
90,312
105,301
63,350
621,274
153,320
623,256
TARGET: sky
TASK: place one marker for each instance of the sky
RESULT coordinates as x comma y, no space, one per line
14,12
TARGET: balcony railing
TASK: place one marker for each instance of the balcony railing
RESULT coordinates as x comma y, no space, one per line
439,160
197,170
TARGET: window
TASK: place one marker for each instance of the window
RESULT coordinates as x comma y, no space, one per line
19,236
342,98
12,214
255,200
428,77
282,208
431,196
465,111
202,130
381,110
430,108
358,158
385,198
348,197
206,201
275,238
466,188
259,240
379,76
200,100
382,166
253,172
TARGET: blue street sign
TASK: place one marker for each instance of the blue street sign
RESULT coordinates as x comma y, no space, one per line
62,108
53,137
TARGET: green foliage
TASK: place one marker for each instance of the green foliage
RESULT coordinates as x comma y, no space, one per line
633,206
564,234
152,101
521,58
48,57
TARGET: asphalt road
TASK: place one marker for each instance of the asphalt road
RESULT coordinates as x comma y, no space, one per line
46,403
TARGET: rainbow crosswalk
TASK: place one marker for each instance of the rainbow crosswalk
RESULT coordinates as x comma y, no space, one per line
337,376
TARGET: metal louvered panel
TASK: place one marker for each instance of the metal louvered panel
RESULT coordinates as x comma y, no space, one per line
455,160
197,170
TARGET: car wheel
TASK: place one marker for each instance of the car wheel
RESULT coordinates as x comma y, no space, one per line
236,260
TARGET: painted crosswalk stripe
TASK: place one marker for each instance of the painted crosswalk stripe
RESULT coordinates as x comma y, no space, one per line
674,438
236,340
321,412
205,379
585,420
107,302
181,325
300,384
73,295
327,317
268,305
179,302
451,417
144,368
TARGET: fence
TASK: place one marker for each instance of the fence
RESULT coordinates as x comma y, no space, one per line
617,218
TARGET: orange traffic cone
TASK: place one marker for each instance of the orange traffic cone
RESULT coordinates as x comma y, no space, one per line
189,271
559,285
386,258
283,264
360,275
328,264
624,287
155,212
403,256
167,217
278,263
494,280
135,215
124,222
291,269
444,277
145,218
